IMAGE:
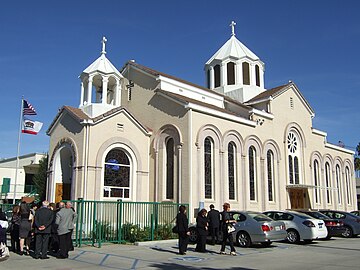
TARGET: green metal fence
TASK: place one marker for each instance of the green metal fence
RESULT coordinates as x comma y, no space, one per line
101,222
120,222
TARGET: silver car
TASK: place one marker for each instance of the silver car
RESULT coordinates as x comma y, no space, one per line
351,221
252,227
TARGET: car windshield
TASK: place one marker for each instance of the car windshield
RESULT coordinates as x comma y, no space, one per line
301,215
317,215
259,216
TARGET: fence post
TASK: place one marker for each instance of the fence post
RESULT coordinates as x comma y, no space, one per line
119,220
95,223
152,227
80,220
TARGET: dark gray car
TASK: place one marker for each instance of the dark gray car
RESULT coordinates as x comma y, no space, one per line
351,222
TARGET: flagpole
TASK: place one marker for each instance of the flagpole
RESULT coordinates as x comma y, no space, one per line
18,146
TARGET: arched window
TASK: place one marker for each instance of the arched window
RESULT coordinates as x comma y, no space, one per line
347,183
270,174
170,169
230,73
208,162
328,182
117,174
208,74
257,75
231,170
316,181
252,172
217,76
338,180
246,73
293,147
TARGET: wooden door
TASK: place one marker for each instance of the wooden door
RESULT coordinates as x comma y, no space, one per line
296,198
58,192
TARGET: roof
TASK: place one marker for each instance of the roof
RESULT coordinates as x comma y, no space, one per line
233,48
80,116
103,65
268,93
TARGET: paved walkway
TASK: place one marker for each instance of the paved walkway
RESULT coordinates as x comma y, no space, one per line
333,254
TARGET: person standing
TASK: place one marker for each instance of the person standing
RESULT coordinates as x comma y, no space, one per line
214,223
42,223
183,230
26,219
226,221
14,233
202,231
69,206
65,221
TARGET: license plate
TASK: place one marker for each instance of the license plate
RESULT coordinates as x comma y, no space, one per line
277,228
320,226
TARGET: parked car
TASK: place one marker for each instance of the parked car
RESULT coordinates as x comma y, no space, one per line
299,226
351,222
335,227
356,213
250,228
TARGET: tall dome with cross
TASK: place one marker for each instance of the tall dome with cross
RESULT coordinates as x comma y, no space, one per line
235,71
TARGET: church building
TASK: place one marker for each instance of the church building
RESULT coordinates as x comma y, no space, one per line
144,135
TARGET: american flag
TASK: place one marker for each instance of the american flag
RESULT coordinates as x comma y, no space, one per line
28,109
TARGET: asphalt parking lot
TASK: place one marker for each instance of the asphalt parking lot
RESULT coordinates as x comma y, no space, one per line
337,253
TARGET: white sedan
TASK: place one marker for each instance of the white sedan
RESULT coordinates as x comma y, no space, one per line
300,226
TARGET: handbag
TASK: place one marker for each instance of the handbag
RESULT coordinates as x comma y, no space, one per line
230,228
4,252
175,229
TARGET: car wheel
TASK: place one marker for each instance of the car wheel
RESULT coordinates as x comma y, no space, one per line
266,244
193,235
348,232
293,236
243,239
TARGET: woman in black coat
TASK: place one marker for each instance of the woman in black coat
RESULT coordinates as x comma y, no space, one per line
202,231
183,230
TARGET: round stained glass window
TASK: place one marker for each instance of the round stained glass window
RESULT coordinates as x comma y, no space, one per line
292,142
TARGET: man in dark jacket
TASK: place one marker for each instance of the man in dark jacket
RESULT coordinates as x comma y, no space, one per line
214,223
43,220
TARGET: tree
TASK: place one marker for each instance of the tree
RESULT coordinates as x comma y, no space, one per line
40,178
357,158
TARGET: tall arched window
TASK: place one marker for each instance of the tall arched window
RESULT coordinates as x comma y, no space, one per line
257,75
270,174
316,181
231,170
170,169
217,76
347,183
117,174
208,74
246,73
293,147
328,182
338,180
252,172
208,162
230,73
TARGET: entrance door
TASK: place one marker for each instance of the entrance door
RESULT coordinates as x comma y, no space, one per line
296,198
62,192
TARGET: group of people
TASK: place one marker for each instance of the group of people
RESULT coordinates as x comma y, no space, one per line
212,223
50,226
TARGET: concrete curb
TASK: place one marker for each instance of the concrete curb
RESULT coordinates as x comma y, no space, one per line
151,243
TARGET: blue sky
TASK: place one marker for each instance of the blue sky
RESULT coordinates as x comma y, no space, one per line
45,45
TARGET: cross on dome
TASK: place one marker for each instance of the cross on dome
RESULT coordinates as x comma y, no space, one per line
232,25
103,41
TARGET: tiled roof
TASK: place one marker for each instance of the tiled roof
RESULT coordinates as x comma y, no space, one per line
268,93
80,116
